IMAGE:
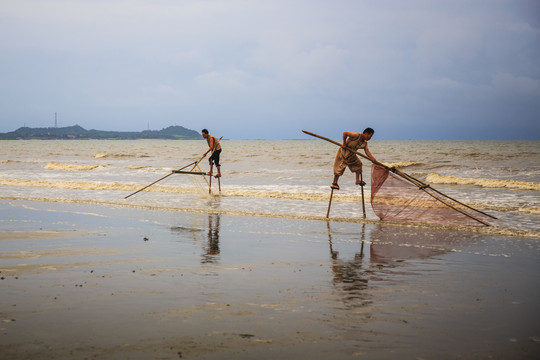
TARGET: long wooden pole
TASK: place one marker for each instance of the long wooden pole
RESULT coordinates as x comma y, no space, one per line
338,144
189,172
147,186
416,182
197,162
329,203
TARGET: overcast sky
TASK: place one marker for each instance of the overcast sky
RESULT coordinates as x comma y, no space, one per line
456,69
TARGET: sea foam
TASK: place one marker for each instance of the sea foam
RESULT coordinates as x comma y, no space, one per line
487,183
69,167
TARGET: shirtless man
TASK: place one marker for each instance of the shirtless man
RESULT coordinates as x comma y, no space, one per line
215,148
346,158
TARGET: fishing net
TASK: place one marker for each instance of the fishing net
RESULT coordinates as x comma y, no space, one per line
395,199
201,187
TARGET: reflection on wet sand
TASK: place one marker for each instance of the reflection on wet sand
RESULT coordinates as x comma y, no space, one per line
390,244
211,249
389,250
208,236
349,276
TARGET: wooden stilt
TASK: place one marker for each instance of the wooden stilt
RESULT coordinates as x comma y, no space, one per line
330,203
210,185
219,183
362,183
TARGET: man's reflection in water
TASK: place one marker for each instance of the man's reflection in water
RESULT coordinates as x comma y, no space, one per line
349,275
390,251
211,248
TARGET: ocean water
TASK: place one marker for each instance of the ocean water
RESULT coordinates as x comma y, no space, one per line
284,178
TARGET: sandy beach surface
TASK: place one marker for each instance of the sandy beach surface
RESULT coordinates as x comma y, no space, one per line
82,281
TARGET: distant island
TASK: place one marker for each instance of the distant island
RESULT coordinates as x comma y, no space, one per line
76,132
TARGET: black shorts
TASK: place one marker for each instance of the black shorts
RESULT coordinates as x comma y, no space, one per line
215,157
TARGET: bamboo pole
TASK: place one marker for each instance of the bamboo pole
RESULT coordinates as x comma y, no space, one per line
339,144
189,172
362,183
330,203
197,163
422,186
147,186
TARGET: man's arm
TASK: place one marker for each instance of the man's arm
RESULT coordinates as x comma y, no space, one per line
368,153
348,134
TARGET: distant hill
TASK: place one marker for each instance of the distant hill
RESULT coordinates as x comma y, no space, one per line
77,132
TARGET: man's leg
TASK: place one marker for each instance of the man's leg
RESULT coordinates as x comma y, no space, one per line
358,181
211,168
335,182
215,159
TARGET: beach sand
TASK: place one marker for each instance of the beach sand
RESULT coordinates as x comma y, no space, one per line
82,281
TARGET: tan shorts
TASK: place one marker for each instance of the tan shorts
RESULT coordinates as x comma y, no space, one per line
346,159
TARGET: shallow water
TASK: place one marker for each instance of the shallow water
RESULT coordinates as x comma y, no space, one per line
287,178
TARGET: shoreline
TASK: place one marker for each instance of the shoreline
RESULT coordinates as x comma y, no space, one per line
94,280
493,230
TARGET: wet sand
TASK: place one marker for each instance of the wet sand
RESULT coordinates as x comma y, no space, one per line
85,281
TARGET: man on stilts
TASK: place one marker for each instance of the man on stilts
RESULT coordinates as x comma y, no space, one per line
215,147
347,158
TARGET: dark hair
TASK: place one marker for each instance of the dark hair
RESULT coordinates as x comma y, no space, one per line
204,131
369,131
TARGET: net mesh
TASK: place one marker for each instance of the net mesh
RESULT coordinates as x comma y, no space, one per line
395,199
200,186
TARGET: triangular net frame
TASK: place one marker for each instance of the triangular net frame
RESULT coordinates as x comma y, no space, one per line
395,199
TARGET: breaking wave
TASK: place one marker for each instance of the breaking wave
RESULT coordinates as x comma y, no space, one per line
10,162
117,156
487,183
69,167
401,165
137,167
534,210
239,192
79,185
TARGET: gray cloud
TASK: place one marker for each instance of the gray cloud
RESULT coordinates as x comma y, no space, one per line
251,69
